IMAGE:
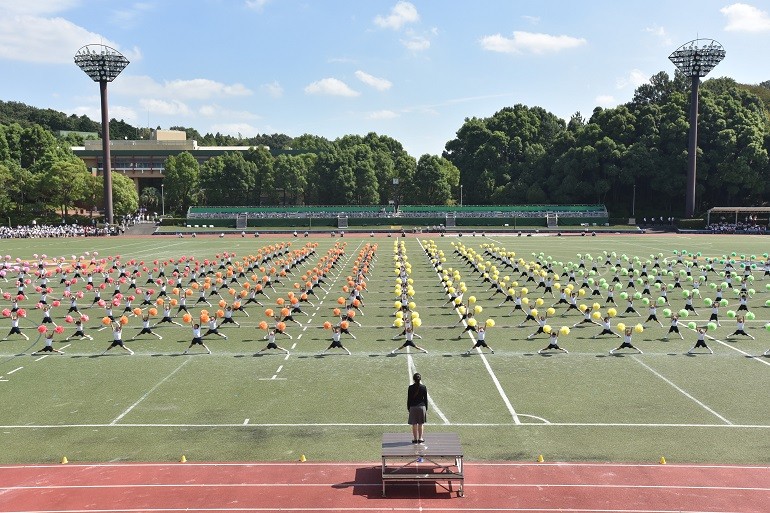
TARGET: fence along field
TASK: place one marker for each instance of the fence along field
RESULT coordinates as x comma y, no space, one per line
514,404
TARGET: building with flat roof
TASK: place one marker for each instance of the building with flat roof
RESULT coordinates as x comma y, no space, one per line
143,161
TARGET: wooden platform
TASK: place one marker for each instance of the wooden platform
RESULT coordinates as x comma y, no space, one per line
438,459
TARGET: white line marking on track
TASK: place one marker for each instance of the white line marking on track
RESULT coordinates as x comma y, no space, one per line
128,410
245,422
355,483
406,508
41,357
681,390
15,370
279,369
294,345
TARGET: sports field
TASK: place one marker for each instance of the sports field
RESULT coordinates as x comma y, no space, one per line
511,405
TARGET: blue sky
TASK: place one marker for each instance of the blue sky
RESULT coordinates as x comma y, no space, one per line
411,70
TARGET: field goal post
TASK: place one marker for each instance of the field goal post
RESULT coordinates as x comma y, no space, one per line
451,220
552,219
342,221
241,221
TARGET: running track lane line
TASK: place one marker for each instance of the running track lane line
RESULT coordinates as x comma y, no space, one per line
128,410
681,390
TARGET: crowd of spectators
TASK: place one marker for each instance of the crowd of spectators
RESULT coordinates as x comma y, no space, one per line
751,227
46,231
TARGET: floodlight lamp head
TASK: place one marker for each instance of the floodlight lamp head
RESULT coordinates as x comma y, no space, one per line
698,57
100,62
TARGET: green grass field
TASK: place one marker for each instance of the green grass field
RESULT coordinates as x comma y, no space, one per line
514,404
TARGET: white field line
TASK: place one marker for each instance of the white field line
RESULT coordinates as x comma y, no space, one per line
392,424
14,370
681,390
128,410
411,369
492,374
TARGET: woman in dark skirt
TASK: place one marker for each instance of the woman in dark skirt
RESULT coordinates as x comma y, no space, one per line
417,405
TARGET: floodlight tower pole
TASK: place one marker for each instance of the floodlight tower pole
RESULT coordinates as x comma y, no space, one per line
695,60
103,64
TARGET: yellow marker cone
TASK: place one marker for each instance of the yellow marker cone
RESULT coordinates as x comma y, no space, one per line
183,459
64,460
540,459
302,458
662,460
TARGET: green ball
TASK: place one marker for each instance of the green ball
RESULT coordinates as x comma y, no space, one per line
685,294
708,301
724,302
731,314
683,313
711,326
750,316
637,295
646,301
667,312
661,301
624,295
692,325
767,326
767,303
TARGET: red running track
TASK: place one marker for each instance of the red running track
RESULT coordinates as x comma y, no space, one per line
309,487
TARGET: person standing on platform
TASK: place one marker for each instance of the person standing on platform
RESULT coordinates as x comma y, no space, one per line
417,405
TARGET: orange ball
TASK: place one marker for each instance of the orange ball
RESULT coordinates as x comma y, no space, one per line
327,325
153,312
137,311
220,313
340,300
262,325
106,321
269,312
123,320
187,317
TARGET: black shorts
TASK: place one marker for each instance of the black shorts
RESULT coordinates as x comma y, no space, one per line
700,343
553,346
673,329
196,340
116,343
271,345
336,343
481,343
47,349
15,330
626,345
145,330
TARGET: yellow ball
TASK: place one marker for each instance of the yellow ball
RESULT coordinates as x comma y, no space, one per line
621,326
612,312
638,328
551,311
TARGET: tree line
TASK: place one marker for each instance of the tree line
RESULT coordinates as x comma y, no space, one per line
633,153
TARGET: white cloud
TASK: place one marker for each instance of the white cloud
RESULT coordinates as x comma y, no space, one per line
606,100
127,114
661,34
29,38
129,16
401,14
331,87
216,110
416,43
36,7
745,18
380,84
165,108
635,78
530,42
382,114
257,5
273,89
194,89
234,129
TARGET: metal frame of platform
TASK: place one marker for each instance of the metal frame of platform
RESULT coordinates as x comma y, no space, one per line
439,458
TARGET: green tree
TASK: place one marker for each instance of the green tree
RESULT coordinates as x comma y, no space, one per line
228,179
291,177
264,184
125,199
182,182
34,142
434,179
150,199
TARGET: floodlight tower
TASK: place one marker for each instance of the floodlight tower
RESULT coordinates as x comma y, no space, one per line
103,64
695,59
